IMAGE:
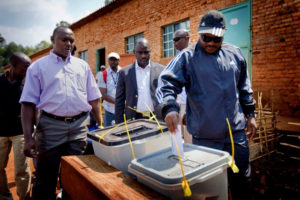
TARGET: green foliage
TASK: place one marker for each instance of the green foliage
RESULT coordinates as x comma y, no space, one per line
2,41
42,45
63,23
107,2
6,50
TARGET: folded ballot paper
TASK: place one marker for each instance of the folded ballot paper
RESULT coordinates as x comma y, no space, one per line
179,141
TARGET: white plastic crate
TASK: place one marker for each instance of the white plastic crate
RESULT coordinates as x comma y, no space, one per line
115,149
205,169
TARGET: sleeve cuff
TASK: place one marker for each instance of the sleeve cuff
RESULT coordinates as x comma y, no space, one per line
173,106
252,114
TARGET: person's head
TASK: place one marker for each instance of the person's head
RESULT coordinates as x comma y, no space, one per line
19,63
211,29
102,68
73,50
63,41
181,39
113,60
142,52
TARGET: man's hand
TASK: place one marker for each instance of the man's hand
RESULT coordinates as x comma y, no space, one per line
251,128
95,110
30,149
28,116
184,119
172,120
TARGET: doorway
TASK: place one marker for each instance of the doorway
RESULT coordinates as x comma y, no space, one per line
238,24
100,58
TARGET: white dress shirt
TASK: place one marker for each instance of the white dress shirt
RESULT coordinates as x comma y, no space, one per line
110,85
181,98
143,86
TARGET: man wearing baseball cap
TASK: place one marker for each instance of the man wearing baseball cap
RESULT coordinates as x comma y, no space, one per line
218,88
107,83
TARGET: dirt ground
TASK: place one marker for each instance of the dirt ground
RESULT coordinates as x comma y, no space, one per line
10,175
276,177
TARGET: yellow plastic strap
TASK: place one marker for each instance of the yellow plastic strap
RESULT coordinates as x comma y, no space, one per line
101,119
185,186
132,151
231,163
159,126
144,114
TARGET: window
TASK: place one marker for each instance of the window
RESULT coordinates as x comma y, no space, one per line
168,31
130,42
84,55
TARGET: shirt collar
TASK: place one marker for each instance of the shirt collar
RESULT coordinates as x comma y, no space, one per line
58,59
110,70
137,67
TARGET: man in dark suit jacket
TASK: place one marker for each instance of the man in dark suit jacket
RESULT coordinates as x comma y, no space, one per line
137,84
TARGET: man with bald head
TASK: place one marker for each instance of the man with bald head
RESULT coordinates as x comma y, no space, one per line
181,39
11,135
137,84
63,88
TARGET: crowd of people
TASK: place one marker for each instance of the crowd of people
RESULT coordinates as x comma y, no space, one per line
47,115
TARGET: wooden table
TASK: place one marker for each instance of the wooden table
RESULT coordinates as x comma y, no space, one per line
88,177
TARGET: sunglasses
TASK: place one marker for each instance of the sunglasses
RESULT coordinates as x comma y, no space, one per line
177,39
206,38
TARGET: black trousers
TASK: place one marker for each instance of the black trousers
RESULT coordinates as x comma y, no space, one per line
54,139
48,164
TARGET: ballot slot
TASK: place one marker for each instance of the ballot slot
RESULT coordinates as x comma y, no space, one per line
186,161
138,130
112,145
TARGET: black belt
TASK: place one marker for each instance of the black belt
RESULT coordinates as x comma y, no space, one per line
65,119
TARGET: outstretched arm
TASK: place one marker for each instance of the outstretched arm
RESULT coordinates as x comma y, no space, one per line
170,83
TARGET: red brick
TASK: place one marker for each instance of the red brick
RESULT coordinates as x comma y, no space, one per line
275,39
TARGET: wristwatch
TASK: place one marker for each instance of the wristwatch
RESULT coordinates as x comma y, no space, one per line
252,114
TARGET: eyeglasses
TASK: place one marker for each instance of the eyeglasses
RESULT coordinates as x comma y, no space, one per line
206,38
177,39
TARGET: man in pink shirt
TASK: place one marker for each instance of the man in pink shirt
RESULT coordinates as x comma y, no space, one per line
63,88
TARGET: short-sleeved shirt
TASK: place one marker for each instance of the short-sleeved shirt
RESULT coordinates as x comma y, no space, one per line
110,85
59,87
10,112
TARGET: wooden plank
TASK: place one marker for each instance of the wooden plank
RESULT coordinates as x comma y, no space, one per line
294,123
87,177
288,124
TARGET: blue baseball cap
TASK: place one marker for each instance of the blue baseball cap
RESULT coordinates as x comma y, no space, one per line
213,22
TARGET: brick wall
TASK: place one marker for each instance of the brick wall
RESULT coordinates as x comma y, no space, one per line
276,53
147,16
40,54
275,39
